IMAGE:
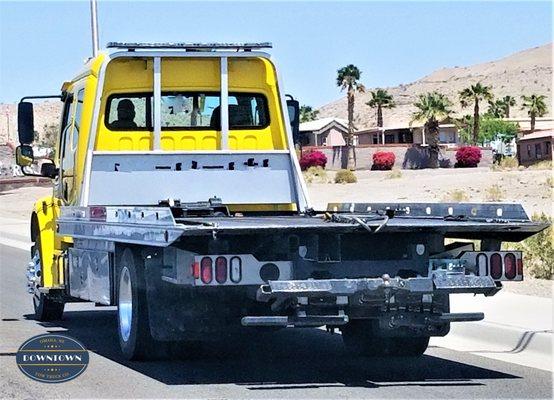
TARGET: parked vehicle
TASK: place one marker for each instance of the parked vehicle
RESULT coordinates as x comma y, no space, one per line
178,197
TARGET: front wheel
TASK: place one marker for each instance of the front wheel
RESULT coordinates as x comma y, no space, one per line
46,308
359,338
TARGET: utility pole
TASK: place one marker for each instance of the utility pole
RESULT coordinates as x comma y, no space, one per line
94,27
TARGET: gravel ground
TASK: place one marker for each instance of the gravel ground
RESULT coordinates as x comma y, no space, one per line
529,187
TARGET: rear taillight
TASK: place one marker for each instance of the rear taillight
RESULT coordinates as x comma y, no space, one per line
482,264
496,266
206,270
221,269
510,266
520,266
236,269
97,213
195,269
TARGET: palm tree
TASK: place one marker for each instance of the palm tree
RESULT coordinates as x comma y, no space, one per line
432,108
381,99
348,78
508,101
497,109
474,94
536,107
307,113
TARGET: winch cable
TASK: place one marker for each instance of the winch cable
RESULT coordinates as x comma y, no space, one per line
362,221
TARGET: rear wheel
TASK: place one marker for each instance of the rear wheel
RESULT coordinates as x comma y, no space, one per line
135,339
46,308
360,339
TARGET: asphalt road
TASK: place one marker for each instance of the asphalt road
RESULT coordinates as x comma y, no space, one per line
305,363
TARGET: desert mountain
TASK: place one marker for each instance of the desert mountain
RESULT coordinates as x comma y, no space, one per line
523,73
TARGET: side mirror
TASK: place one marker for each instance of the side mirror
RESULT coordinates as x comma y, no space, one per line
25,122
49,170
24,156
293,107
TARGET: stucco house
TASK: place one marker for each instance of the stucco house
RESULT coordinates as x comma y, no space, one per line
535,147
406,134
324,132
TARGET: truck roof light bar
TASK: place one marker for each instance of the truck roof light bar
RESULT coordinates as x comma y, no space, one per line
190,46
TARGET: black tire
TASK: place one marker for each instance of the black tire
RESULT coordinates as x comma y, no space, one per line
46,308
135,339
359,339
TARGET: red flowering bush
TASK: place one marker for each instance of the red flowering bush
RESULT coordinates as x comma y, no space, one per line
468,157
313,159
383,160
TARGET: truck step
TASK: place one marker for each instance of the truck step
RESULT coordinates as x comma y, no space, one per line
284,321
462,317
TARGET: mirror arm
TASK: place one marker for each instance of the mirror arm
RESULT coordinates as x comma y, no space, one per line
52,96
28,174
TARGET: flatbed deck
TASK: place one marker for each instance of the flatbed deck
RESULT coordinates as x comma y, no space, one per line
157,226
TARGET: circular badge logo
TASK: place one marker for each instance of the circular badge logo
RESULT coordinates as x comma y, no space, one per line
52,358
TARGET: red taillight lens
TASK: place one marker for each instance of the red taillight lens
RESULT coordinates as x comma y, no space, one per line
221,269
195,269
496,266
206,270
98,213
482,264
510,266
520,266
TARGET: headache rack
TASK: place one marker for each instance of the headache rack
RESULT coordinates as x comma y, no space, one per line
190,46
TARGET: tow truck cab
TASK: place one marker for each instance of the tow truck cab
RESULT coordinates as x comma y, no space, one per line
177,197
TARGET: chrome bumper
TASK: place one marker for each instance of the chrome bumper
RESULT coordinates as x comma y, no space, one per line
439,283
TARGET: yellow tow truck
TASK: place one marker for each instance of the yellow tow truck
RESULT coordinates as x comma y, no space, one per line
178,197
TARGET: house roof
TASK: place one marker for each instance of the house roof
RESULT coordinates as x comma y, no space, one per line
322,123
538,135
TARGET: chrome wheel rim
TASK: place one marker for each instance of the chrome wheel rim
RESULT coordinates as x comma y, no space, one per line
125,304
33,277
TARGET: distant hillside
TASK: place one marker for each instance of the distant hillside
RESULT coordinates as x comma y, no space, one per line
522,73
46,113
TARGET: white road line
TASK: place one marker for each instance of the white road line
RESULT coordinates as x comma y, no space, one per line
18,244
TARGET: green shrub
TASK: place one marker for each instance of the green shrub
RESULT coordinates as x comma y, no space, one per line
494,193
538,251
456,196
315,175
345,176
394,174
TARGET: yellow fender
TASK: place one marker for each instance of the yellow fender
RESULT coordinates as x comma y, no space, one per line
43,227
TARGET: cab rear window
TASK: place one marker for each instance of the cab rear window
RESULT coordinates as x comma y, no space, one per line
186,110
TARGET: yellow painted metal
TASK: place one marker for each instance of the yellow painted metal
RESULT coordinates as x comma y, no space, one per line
135,75
253,75
45,211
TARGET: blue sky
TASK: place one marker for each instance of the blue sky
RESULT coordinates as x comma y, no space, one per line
44,43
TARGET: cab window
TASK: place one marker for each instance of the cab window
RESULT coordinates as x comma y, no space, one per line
77,120
129,112
186,111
